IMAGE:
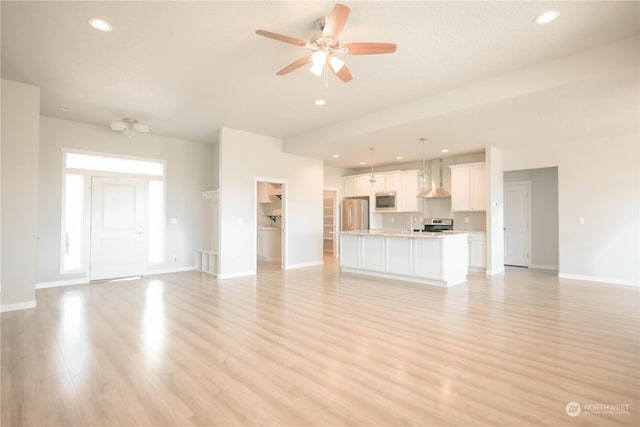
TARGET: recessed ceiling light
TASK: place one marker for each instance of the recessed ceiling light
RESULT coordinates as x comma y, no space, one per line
335,156
64,108
363,163
399,158
547,17
444,150
100,24
320,102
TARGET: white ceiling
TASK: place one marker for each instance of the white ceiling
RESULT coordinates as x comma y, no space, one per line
465,75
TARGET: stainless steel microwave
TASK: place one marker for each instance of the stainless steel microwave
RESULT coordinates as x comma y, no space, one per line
386,201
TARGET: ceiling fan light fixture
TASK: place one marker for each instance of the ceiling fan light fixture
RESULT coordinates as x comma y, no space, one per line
336,63
129,127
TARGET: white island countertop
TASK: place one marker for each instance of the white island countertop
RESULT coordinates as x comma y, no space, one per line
404,233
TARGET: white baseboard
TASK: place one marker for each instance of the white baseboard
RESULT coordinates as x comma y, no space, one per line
235,275
18,306
169,270
496,271
544,267
303,265
598,279
57,283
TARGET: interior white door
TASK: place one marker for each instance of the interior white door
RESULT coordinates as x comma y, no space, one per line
516,223
117,215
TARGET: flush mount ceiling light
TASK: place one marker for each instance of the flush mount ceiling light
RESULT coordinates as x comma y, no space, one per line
335,156
319,102
363,163
100,24
399,157
547,17
129,127
444,150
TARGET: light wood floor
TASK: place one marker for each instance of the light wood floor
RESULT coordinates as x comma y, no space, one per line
314,347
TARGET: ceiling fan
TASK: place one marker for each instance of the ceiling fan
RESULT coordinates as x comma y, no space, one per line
129,127
325,46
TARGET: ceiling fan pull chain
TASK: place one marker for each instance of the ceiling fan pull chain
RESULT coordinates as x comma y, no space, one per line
325,76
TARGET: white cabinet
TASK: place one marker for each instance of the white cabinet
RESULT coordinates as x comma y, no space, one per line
468,187
408,194
398,256
427,258
349,251
349,183
363,186
373,253
440,261
477,252
269,243
386,182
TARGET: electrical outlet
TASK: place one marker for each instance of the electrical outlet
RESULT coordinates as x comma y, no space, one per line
466,219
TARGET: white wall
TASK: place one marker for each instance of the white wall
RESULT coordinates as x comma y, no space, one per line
495,211
544,214
598,180
333,177
20,135
244,157
188,173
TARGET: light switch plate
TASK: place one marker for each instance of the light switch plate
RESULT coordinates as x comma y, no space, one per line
174,220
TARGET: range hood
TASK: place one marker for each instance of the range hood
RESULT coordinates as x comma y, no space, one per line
434,192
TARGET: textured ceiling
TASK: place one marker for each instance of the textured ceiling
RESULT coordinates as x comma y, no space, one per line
187,68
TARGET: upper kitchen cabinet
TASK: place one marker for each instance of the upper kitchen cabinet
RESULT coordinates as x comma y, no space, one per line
408,191
356,186
386,182
468,187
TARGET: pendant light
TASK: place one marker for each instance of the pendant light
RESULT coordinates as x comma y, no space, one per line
424,178
373,176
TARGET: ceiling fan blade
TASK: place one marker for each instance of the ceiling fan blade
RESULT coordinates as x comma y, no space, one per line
294,65
282,38
336,21
369,48
343,73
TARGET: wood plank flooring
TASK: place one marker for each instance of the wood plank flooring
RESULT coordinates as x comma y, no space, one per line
314,347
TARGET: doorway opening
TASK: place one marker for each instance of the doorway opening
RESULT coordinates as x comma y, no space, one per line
330,215
531,218
270,221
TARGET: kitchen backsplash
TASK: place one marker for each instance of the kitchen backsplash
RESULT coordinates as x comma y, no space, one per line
477,221
462,221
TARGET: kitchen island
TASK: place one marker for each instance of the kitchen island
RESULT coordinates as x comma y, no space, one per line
439,259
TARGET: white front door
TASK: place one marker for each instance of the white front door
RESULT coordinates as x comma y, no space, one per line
117,213
516,223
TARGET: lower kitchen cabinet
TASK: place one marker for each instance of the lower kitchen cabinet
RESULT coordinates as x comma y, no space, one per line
373,253
477,252
399,255
350,251
428,255
434,260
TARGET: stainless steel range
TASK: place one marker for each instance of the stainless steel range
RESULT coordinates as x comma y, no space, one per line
434,225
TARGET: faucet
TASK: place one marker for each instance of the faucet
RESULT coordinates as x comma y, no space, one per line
412,218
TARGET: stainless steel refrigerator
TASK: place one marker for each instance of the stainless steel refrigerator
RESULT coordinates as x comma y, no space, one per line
355,214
